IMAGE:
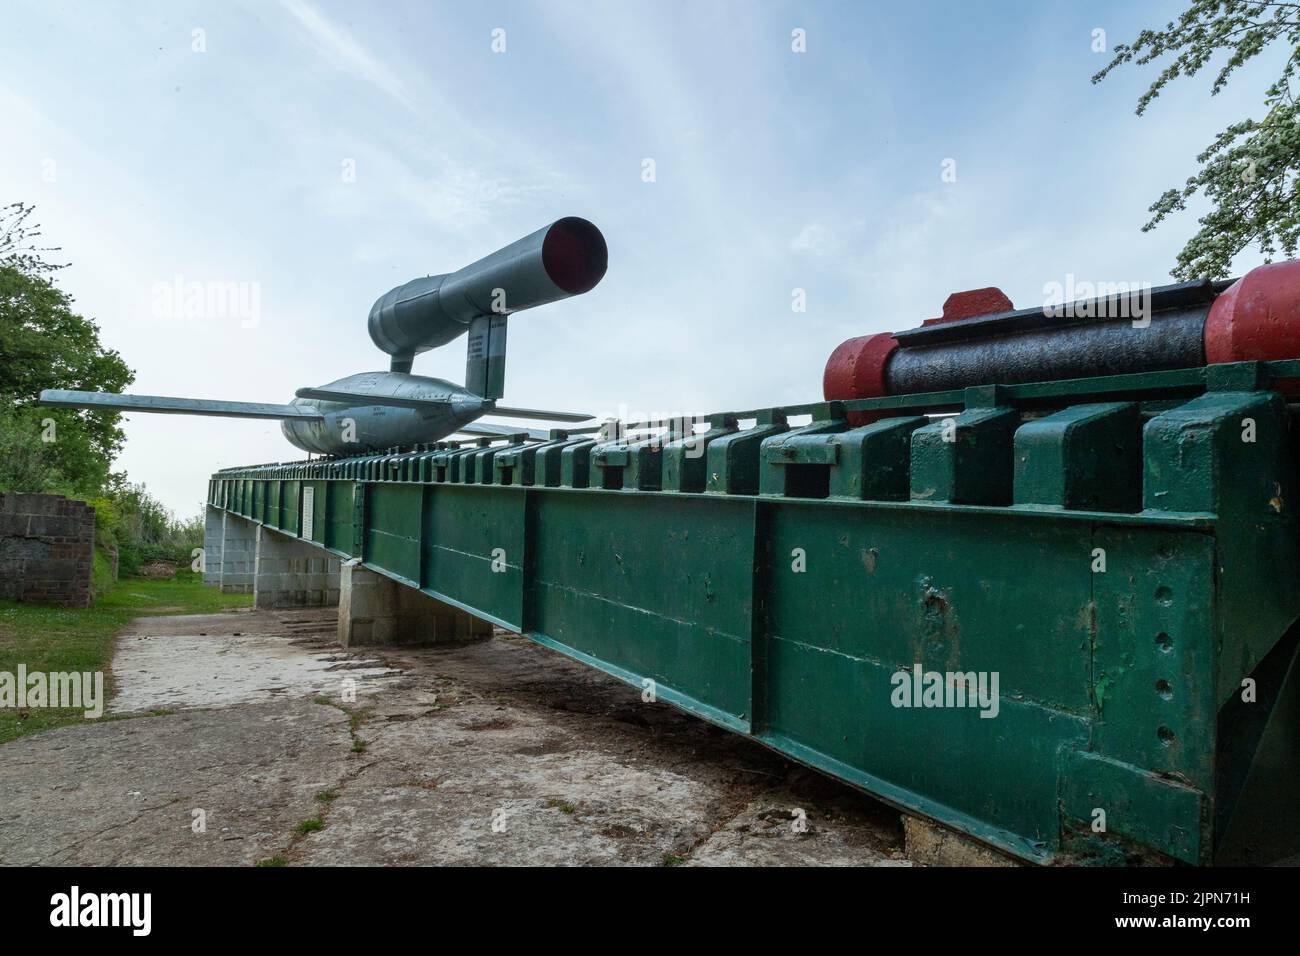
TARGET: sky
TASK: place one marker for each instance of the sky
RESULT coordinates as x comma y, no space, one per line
317,153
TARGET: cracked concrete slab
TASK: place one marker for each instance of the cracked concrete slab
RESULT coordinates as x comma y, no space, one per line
495,752
124,792
810,821
203,661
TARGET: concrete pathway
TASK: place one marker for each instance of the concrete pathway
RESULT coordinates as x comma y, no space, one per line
281,744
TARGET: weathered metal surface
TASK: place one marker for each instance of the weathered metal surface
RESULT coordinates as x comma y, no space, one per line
566,258
1056,349
1127,328
1091,569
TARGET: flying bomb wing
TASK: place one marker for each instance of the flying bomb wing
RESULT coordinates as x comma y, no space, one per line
111,401
488,408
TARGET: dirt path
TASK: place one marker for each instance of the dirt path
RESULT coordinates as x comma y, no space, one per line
498,752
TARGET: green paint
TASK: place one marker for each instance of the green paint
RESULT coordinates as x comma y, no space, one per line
782,580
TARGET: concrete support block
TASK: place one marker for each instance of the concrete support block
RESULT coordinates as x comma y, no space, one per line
375,609
214,533
290,572
238,553
930,844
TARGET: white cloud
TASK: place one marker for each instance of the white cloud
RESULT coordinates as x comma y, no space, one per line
340,48
814,238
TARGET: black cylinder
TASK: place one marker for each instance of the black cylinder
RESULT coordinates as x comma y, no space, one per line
1146,330
1173,339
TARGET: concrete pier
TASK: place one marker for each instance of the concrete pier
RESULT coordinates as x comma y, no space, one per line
213,539
236,554
281,570
375,609
290,572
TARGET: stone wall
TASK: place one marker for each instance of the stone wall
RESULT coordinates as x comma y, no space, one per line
46,549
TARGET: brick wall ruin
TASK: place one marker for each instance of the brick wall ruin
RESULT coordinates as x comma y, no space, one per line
46,549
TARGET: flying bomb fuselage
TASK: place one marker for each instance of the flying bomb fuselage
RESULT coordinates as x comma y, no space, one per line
348,428
373,411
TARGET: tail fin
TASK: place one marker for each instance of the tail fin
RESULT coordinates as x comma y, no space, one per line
485,358
538,414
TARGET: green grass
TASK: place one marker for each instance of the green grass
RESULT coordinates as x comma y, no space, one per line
101,574
272,861
356,717
310,826
54,639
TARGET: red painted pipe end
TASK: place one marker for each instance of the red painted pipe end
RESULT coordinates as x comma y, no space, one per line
856,369
1257,318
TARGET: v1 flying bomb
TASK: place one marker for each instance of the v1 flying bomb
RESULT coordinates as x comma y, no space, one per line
372,411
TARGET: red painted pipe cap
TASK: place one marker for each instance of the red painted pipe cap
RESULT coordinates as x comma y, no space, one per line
1257,318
